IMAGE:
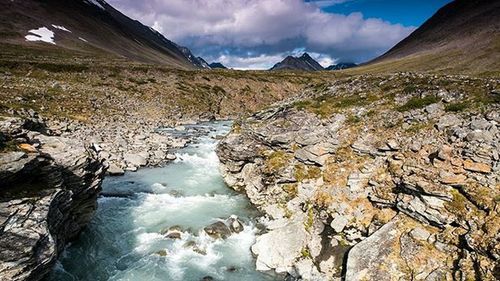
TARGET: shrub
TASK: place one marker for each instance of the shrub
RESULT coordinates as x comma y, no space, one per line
418,102
456,107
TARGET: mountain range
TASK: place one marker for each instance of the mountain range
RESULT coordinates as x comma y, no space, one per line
462,37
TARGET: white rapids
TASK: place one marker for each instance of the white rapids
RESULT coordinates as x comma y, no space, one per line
124,240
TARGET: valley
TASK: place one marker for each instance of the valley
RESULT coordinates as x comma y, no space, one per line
125,156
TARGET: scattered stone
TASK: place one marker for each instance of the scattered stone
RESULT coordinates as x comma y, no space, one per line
477,167
114,170
452,179
28,148
447,121
162,253
445,152
135,159
192,244
339,223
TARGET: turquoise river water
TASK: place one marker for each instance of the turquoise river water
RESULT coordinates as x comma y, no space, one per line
123,240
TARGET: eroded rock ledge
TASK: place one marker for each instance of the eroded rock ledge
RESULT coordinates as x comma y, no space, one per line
48,193
371,179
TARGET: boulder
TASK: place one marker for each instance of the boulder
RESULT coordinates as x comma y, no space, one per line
115,170
279,248
136,159
235,224
218,230
397,251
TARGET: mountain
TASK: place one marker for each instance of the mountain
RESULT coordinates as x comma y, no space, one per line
84,27
203,63
341,65
217,65
462,37
199,62
304,62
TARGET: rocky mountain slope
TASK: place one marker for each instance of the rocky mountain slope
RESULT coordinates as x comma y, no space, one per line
304,62
462,37
371,171
84,28
48,193
217,65
341,65
199,62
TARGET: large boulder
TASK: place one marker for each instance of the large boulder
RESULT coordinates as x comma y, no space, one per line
279,248
218,230
401,250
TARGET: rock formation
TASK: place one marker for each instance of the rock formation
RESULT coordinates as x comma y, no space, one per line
48,193
368,179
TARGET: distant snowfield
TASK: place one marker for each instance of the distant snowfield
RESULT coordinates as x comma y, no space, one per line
61,28
41,34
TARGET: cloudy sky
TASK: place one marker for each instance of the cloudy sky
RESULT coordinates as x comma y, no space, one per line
255,34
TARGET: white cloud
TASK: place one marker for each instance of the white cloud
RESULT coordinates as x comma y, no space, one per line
267,27
327,3
254,62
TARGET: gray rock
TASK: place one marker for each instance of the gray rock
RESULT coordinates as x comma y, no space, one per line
171,157
402,256
434,109
479,135
218,230
279,248
480,124
339,223
447,121
136,159
315,154
37,223
235,224
115,170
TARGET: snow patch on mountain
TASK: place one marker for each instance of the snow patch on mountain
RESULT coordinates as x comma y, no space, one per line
41,34
96,3
60,27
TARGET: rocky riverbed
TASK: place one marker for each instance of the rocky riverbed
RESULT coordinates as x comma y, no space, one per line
381,178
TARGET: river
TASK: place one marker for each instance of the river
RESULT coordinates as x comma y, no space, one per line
124,240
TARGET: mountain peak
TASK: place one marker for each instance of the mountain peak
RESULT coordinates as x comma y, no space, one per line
304,62
217,65
305,56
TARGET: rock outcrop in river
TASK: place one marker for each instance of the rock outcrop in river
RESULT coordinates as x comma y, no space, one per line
48,193
375,178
